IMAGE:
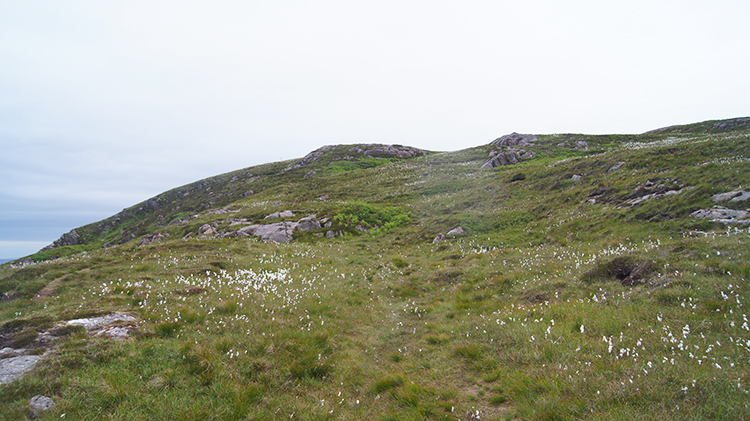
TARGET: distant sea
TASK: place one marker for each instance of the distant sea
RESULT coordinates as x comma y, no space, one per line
6,261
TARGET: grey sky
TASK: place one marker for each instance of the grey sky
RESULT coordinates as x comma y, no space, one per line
105,104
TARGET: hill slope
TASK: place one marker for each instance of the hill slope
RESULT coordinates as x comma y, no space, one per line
596,277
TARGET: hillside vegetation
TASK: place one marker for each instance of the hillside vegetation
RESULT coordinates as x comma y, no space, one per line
599,277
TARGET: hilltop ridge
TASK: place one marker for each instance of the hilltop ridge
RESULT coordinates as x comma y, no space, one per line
215,193
542,277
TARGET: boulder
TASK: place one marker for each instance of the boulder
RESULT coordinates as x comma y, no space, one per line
582,144
15,367
309,223
310,174
39,404
723,215
440,237
456,231
734,196
206,229
330,234
279,232
502,159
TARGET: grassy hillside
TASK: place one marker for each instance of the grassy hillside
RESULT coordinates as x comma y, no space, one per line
582,288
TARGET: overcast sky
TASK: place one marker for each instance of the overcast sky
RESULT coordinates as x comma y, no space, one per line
105,104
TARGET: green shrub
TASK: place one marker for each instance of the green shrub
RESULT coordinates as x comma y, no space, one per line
376,218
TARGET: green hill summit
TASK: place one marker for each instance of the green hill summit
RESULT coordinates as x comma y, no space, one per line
549,277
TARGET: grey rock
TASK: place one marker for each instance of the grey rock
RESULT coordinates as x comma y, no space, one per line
561,145
311,157
248,193
15,367
153,238
735,196
206,229
362,228
576,177
616,167
643,198
515,139
309,223
502,159
582,144
456,231
310,174
39,404
723,215
70,238
282,214
330,234
10,352
94,323
440,237
280,232
376,150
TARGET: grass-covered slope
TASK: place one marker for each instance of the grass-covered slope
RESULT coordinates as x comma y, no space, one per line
582,288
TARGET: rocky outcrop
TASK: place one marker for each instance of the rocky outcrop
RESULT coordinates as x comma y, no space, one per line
732,196
311,157
376,150
68,239
115,325
723,215
515,139
153,238
499,159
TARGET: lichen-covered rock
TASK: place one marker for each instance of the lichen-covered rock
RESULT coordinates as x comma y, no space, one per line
39,404
15,367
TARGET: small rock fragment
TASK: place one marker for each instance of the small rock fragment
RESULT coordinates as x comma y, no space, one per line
39,404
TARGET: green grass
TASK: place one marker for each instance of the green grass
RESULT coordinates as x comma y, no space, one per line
526,316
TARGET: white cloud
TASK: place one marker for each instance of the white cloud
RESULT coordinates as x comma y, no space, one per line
103,104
